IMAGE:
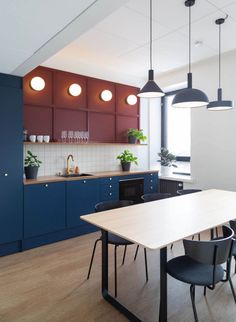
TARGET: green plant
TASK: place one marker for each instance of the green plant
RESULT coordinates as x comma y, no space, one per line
127,157
167,159
32,160
138,134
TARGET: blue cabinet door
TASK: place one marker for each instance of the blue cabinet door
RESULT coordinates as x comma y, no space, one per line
11,159
109,189
82,196
44,208
151,183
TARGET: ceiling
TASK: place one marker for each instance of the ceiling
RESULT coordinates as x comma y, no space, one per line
109,39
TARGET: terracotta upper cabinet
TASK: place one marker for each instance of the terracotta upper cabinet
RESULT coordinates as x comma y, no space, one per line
38,120
102,127
62,96
122,94
95,102
41,97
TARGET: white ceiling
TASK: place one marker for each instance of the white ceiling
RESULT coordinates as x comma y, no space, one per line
117,48
109,39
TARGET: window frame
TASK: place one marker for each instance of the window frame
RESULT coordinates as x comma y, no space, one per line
164,125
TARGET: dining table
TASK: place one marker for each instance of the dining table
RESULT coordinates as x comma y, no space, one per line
157,224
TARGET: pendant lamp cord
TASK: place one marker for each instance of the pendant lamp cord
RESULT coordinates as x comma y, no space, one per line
190,40
150,34
220,56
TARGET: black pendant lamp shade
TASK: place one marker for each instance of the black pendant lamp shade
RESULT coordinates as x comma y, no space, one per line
151,89
190,97
220,105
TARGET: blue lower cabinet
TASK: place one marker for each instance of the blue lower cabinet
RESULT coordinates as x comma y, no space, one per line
109,191
81,198
44,209
151,183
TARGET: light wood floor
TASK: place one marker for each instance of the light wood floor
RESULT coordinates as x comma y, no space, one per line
48,284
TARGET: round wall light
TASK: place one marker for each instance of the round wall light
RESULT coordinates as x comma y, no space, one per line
131,99
37,83
106,95
74,90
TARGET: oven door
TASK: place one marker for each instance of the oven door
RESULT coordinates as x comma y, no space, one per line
131,189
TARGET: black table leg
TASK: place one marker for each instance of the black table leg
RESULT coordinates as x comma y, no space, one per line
163,285
105,292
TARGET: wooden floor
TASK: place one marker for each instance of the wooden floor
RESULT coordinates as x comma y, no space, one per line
49,284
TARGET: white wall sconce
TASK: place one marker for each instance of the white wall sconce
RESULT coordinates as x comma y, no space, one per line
131,99
37,83
106,95
74,90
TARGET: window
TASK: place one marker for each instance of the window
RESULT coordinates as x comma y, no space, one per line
176,128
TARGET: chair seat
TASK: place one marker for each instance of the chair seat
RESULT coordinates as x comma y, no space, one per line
190,271
116,240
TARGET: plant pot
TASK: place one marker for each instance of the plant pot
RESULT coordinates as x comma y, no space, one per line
132,139
125,166
31,172
165,171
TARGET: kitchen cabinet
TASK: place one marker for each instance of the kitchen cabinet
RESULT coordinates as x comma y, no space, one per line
109,188
170,186
81,198
11,161
151,182
44,208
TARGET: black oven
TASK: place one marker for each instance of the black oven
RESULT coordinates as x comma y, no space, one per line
131,189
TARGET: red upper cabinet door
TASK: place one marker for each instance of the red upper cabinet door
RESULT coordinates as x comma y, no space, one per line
123,123
122,92
62,97
42,97
102,127
95,87
38,120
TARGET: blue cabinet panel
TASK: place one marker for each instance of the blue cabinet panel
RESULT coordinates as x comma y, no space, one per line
11,159
44,208
151,182
81,197
109,191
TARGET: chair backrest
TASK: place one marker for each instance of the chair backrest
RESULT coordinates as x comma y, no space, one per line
108,205
213,252
233,225
187,191
155,196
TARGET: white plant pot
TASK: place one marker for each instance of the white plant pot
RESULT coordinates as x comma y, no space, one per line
165,171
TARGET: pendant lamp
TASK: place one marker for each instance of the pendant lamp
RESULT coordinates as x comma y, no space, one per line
151,89
190,97
220,105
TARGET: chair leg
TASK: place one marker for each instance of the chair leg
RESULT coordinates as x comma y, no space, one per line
193,237
146,268
91,261
136,252
115,264
123,260
217,235
205,290
235,264
199,236
171,246
192,295
232,289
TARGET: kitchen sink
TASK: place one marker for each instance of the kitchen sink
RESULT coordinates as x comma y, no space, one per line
74,175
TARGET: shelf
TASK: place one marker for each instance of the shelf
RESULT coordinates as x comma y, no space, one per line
84,144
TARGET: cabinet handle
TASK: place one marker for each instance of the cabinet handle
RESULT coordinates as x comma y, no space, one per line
151,187
110,186
151,180
5,174
151,174
46,185
84,181
180,185
110,193
110,179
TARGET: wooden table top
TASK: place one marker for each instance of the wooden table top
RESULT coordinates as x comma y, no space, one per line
159,223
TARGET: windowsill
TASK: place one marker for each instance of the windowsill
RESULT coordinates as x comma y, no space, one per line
182,172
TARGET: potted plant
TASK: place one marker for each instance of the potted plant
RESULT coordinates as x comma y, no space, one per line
167,159
135,135
31,165
126,158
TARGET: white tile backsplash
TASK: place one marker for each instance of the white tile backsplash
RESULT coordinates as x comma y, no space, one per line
89,158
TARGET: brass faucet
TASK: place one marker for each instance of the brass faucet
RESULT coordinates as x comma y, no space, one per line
68,169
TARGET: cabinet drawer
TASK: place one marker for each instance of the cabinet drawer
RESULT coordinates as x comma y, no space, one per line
109,192
109,180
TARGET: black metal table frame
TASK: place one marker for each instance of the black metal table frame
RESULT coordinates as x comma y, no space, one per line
117,304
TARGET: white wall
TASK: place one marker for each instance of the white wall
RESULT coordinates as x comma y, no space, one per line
212,133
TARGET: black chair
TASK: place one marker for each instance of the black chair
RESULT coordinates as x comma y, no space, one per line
201,264
152,197
114,239
233,226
